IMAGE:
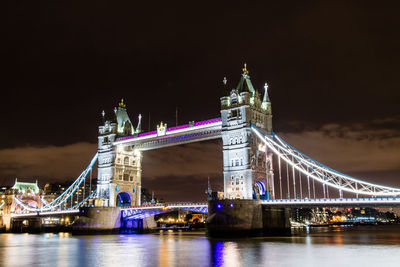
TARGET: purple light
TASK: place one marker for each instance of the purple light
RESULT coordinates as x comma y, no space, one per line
98,211
147,133
166,136
178,127
83,211
199,123
231,205
219,206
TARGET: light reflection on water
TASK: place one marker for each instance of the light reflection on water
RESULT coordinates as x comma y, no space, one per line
362,246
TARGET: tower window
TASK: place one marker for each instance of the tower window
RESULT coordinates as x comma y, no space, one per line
105,140
126,161
234,113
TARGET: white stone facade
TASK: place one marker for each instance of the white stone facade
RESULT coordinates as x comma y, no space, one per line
119,167
245,159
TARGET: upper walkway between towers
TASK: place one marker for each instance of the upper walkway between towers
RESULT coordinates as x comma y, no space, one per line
182,134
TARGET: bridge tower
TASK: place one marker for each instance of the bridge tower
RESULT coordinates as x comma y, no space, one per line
119,166
248,168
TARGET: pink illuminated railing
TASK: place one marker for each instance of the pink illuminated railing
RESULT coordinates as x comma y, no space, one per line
146,134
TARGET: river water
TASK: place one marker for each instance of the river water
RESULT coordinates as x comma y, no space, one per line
342,246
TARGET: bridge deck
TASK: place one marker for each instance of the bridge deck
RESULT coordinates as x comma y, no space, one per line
334,202
45,213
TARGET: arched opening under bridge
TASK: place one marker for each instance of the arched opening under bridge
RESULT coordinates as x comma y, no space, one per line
123,199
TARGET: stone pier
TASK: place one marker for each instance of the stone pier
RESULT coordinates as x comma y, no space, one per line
107,220
98,220
246,217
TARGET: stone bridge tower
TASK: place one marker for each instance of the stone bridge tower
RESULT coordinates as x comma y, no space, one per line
119,167
248,171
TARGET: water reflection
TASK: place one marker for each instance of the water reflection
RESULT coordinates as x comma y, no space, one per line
321,247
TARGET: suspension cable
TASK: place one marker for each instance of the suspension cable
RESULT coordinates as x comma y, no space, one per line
287,177
313,186
301,190
327,191
280,177
294,182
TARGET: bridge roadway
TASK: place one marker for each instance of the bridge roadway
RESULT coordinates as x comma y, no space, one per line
140,212
182,134
44,213
334,202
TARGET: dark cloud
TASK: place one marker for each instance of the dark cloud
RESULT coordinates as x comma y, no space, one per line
47,163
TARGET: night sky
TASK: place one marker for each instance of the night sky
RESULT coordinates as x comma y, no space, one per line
332,66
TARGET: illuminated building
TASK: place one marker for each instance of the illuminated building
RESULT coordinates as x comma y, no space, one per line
119,167
29,193
248,169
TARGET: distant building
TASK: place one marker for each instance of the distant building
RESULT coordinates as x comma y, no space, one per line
28,193
26,188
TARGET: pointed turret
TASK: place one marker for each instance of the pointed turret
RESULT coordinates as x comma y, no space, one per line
139,125
245,83
224,89
124,124
266,104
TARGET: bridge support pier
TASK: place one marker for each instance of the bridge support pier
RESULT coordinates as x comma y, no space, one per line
98,220
144,225
26,225
245,217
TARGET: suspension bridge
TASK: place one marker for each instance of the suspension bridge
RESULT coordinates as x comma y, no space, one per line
258,165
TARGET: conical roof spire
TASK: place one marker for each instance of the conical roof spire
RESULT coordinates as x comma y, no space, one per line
124,124
266,104
245,83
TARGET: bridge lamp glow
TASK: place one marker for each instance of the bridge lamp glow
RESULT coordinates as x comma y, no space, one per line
219,206
261,147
